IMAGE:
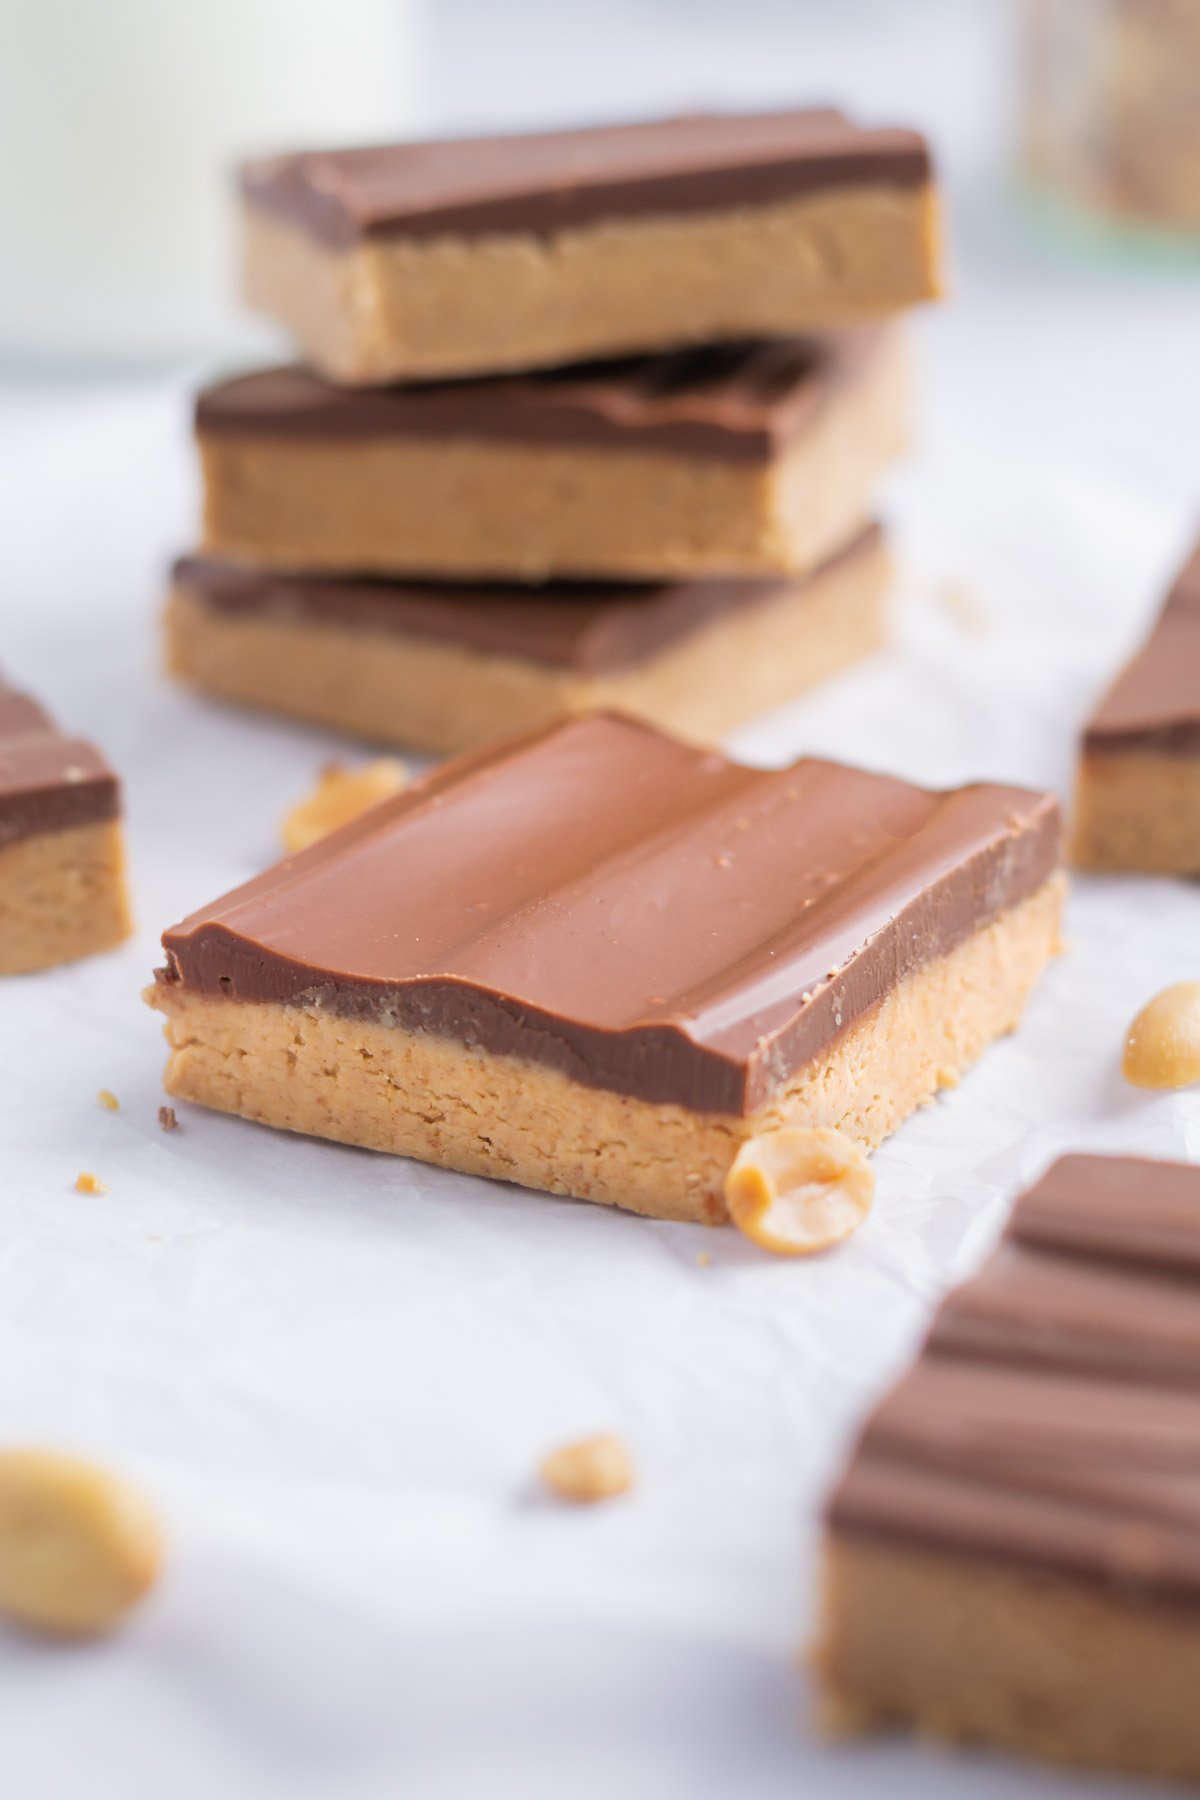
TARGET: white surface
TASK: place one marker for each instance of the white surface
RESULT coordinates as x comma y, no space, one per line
337,1373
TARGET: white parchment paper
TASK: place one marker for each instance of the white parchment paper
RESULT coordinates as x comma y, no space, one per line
336,1372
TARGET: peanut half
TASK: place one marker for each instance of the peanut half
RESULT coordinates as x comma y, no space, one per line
78,1547
1162,1046
339,796
797,1190
597,1468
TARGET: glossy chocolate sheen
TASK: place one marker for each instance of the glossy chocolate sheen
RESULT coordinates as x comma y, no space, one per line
1154,704
644,916
738,402
1053,1417
589,627
548,182
48,782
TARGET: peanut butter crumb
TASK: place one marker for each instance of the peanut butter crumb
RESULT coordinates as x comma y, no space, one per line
87,1183
340,795
596,1468
108,1100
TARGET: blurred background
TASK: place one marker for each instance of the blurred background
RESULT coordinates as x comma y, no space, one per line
1067,131
1068,125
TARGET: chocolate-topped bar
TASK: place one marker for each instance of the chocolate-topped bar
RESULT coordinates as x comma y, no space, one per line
1138,792
1014,1550
441,666
62,885
595,959
469,255
751,459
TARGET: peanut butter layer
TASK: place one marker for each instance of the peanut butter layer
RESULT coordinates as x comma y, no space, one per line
739,460
473,256
1040,1462
646,917
446,668
1138,790
48,781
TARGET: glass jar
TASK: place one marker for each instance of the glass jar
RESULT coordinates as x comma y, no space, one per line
1111,106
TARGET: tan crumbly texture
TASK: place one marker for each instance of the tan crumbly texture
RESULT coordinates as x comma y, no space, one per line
62,896
430,694
472,507
392,309
1137,811
415,1094
967,1649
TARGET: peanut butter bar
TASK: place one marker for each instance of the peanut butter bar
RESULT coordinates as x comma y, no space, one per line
1137,802
746,459
595,960
474,256
1013,1554
62,859
440,667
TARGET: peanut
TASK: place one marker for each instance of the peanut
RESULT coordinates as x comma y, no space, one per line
1162,1046
78,1547
799,1189
597,1468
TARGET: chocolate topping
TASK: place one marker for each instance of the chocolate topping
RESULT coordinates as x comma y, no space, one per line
1053,1416
48,782
589,627
1154,704
546,182
739,402
644,916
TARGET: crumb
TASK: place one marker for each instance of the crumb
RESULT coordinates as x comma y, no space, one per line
108,1100
703,1258
167,1119
598,1468
965,606
87,1183
341,795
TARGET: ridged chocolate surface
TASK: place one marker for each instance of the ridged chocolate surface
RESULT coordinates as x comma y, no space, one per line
548,181
1053,1417
644,916
589,627
734,401
1154,704
48,782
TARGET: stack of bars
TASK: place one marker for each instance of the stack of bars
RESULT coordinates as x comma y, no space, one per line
588,419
